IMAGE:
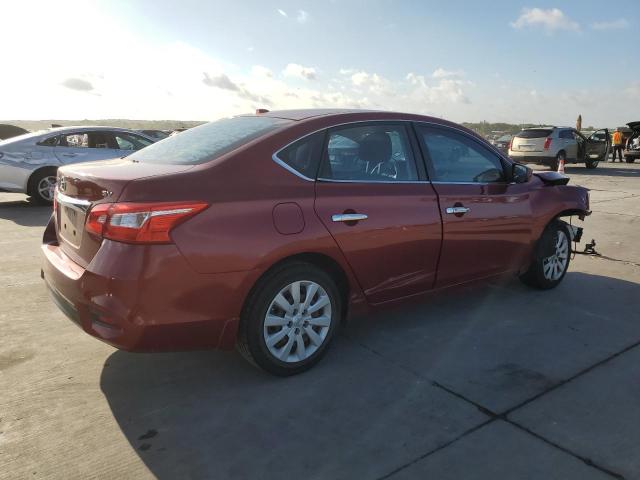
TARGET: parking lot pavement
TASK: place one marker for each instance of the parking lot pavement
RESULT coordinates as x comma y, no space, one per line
493,381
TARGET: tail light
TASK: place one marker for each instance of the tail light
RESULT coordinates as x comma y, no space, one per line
547,143
139,222
510,144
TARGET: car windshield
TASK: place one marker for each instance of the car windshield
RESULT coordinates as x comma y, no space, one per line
207,142
534,133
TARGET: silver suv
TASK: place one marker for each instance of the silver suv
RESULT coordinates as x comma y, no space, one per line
548,145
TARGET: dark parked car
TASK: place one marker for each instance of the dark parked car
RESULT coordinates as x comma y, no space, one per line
265,231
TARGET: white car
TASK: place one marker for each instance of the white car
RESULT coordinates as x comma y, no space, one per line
29,162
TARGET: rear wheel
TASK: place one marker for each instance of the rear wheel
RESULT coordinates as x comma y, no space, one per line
553,165
290,319
591,163
551,259
629,159
41,186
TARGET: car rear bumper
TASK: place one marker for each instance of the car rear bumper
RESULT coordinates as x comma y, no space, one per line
531,157
146,298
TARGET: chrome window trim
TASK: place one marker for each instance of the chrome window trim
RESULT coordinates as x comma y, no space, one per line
471,183
366,182
280,162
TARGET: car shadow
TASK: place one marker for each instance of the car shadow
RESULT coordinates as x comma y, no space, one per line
212,415
607,169
25,212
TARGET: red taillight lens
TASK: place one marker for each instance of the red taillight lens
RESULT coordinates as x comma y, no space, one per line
547,143
97,219
139,222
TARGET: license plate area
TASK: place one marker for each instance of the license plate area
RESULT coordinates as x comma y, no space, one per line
71,224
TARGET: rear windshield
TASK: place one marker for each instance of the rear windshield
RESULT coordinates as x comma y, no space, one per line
207,142
534,133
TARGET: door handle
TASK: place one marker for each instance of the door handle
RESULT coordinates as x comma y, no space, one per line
458,210
349,217
69,154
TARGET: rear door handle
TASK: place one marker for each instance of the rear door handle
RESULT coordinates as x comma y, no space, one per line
349,217
457,210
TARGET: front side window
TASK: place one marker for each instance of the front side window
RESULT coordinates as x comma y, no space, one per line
456,157
369,153
127,141
303,156
209,141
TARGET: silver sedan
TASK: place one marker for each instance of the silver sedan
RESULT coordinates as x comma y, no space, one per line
28,163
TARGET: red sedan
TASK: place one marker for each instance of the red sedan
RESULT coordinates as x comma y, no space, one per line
264,231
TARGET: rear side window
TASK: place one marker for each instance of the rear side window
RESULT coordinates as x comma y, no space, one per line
568,134
370,153
534,133
207,142
87,140
303,156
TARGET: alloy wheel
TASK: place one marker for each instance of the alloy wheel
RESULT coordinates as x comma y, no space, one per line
297,321
554,265
46,186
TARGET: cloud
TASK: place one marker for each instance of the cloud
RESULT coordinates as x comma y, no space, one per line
550,20
302,16
223,82
282,12
220,81
442,73
298,71
618,24
77,84
446,90
260,71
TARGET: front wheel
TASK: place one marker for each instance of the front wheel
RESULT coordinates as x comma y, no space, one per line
551,258
289,319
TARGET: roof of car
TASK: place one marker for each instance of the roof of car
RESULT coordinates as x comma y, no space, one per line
303,114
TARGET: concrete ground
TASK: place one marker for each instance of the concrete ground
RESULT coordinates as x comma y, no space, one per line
498,381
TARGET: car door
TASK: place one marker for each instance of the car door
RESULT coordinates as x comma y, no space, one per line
85,146
373,197
487,221
569,144
598,145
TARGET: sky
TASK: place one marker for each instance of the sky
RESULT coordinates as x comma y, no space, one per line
500,61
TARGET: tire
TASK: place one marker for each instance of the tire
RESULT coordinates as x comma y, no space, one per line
37,183
553,164
591,164
545,272
629,159
284,356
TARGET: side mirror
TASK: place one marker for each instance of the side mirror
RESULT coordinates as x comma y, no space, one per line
520,173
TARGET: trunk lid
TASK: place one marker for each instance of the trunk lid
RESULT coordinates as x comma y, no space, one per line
530,140
635,126
81,186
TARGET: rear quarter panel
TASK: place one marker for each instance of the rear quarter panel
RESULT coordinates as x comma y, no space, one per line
237,232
